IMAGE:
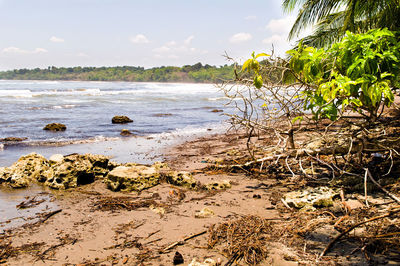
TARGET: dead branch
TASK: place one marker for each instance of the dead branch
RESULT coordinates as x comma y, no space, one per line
330,244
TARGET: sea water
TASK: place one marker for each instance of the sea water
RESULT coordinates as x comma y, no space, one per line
163,114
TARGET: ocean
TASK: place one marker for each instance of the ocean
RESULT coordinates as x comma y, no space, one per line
163,114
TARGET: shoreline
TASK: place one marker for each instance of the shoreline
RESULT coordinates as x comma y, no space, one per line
140,149
81,233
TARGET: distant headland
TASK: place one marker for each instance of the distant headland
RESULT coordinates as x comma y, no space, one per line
189,73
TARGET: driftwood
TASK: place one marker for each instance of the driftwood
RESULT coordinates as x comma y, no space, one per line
330,245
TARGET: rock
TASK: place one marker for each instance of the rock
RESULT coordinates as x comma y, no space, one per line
28,168
184,179
55,127
204,213
207,262
60,172
75,170
311,197
56,158
13,139
217,110
125,132
132,178
121,119
219,185
178,258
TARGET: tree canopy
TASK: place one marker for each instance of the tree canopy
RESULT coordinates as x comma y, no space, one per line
331,19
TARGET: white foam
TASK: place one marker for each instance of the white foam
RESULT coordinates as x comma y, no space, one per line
191,132
16,93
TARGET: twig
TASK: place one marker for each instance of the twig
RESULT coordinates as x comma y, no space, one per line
287,165
365,188
383,189
329,246
182,242
48,215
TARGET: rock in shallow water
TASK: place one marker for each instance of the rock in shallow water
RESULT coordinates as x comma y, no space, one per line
61,172
55,127
28,168
121,119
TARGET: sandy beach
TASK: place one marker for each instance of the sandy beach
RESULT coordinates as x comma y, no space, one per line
91,225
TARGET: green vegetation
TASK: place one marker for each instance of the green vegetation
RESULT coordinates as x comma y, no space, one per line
187,73
332,18
358,72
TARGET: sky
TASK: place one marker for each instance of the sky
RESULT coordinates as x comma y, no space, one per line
148,33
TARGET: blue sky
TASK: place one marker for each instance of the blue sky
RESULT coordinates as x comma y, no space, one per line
41,33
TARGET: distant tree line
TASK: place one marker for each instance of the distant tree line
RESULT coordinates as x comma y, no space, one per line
188,73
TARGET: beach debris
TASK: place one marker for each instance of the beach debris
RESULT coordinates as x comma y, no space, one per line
183,241
30,202
245,238
178,258
133,178
125,260
177,194
206,262
55,127
28,168
182,178
311,198
123,203
204,213
233,152
125,132
121,119
157,209
219,185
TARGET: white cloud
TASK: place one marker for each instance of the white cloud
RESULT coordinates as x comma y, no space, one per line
241,37
139,38
16,50
188,40
56,39
251,17
162,49
177,50
282,25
